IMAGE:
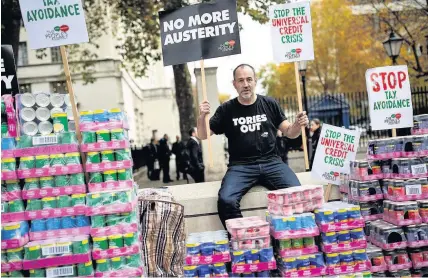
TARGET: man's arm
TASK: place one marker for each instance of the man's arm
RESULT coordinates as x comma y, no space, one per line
202,127
293,130
216,122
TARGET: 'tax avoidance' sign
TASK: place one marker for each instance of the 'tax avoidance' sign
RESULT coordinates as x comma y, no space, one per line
196,32
390,97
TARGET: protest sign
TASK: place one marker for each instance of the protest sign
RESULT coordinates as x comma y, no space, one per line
291,31
336,148
9,80
52,23
390,97
197,32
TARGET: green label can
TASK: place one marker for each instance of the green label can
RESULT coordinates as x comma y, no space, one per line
117,263
100,243
77,179
95,177
46,182
85,269
3,257
4,207
94,157
89,137
123,154
61,181
95,200
129,217
108,198
72,159
78,199
297,243
64,201
103,265
130,239
16,206
4,130
60,122
8,164
124,196
308,242
117,134
57,160
35,204
24,141
15,255
103,136
49,203
68,138
16,274
32,252
107,156
115,241
98,221
110,175
124,174
27,162
113,219
42,161
80,245
38,272
133,260
12,185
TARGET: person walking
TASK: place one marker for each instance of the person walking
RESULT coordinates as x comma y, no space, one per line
177,149
196,165
314,135
152,161
164,158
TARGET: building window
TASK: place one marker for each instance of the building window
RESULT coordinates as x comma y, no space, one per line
22,54
59,87
56,55
25,88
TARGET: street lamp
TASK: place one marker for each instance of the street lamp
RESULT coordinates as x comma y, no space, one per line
392,46
302,70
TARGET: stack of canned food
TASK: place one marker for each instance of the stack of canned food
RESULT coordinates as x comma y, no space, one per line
44,113
8,120
420,124
14,236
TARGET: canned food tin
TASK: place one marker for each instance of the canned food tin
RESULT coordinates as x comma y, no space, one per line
72,158
124,196
15,255
85,269
98,221
57,160
113,219
35,204
30,128
308,242
94,157
45,128
100,243
67,222
115,241
95,177
103,265
42,161
57,100
43,114
83,221
95,200
89,137
130,239
115,114
27,162
81,245
68,138
78,199
86,116
64,201
16,206
28,114
107,156
49,203
77,179
133,260
3,252
27,100
42,99
4,130
56,110
8,164
103,136
60,122
16,274
65,245
24,141
124,174
38,225
38,272
61,181
117,134
12,185
53,224
117,263
130,217
123,154
110,175
297,243
101,116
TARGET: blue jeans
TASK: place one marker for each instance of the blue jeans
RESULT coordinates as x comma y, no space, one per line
239,179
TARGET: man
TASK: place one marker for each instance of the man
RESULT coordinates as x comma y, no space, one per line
177,149
164,157
152,156
250,122
196,165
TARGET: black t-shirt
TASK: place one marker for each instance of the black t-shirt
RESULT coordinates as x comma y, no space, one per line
250,129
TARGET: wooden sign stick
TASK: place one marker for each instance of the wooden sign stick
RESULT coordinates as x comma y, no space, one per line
299,100
394,132
207,118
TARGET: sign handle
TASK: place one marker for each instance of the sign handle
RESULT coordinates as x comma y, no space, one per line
327,193
207,119
394,132
299,100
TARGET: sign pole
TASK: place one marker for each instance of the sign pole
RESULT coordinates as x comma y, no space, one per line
327,193
394,132
299,100
207,120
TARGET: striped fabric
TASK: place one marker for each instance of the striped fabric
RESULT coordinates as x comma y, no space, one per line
162,234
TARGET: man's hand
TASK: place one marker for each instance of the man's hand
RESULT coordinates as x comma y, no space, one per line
204,108
302,119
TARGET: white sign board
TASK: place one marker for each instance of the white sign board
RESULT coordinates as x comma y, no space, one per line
291,32
336,148
52,23
390,97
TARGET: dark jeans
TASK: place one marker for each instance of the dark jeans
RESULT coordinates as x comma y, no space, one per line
240,179
164,164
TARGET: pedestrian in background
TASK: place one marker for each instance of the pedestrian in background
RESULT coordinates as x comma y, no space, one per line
177,149
164,158
196,165
314,135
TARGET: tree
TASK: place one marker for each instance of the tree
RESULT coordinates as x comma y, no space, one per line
344,49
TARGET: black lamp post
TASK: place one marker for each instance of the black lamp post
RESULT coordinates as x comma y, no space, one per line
302,70
392,46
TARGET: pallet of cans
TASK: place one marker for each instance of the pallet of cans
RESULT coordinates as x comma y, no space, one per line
295,200
416,235
43,113
377,259
405,190
423,210
370,210
8,119
253,262
345,240
103,119
85,269
401,213
207,248
365,170
8,168
364,191
206,270
418,257
347,262
295,226
302,266
12,211
420,124
10,191
64,142
338,216
14,236
295,247
387,236
398,147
